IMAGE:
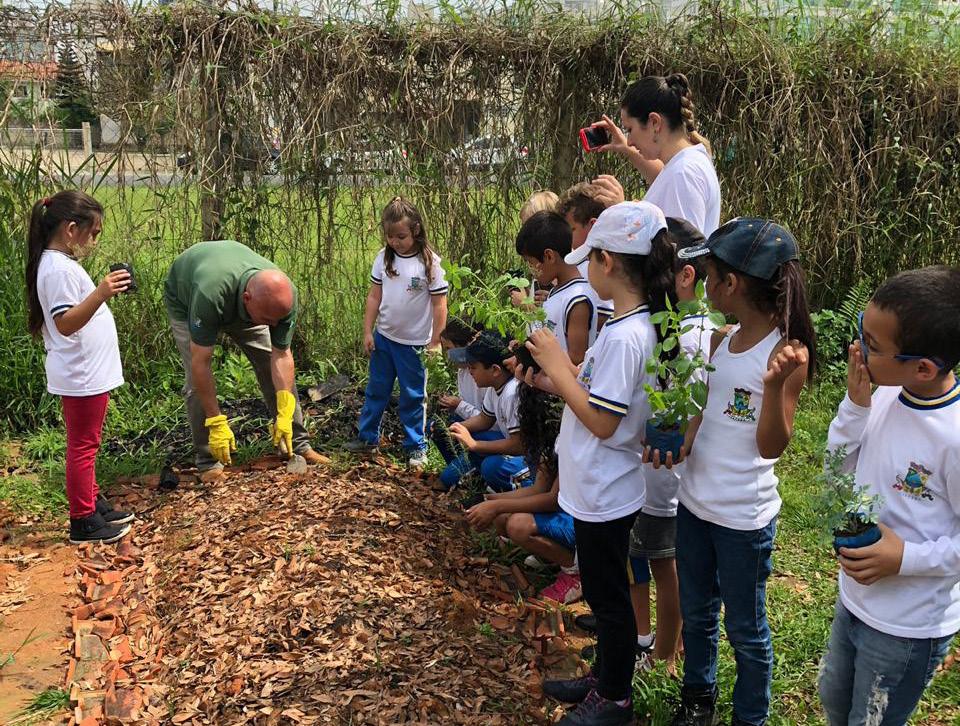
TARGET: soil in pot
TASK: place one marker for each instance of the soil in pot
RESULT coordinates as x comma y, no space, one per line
856,534
664,438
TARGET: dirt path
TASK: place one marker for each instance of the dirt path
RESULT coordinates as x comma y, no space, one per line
34,595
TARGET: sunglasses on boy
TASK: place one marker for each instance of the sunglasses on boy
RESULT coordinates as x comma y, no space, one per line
898,356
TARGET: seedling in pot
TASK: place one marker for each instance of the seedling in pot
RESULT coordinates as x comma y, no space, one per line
132,287
682,391
849,513
487,303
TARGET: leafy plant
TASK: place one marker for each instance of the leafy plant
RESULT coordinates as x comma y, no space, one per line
681,395
836,329
845,507
441,378
487,302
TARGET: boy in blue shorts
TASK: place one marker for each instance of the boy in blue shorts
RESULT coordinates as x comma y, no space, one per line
500,461
899,604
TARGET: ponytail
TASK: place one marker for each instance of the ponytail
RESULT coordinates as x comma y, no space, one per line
45,219
670,97
783,296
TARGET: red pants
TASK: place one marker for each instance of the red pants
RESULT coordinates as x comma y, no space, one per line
84,417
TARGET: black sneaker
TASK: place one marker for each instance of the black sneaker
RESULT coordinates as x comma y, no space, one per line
598,711
586,622
95,529
573,690
589,652
111,515
698,707
359,446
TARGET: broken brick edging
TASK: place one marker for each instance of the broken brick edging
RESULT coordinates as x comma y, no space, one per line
113,657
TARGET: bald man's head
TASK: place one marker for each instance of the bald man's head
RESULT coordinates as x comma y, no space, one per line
268,297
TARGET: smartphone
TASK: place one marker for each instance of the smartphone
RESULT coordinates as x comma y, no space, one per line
593,137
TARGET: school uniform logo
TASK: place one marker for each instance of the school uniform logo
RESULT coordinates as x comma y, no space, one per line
739,409
416,284
586,374
914,484
197,323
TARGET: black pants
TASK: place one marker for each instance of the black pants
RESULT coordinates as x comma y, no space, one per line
602,553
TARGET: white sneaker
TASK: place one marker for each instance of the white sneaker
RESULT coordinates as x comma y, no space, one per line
417,460
534,563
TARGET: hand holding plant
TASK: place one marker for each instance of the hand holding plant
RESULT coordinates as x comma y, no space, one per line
869,564
848,512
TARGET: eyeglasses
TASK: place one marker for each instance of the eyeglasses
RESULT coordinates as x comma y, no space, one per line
898,356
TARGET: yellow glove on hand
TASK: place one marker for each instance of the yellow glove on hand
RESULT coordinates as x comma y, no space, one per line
221,440
283,427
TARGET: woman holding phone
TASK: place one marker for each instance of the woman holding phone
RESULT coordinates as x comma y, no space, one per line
661,140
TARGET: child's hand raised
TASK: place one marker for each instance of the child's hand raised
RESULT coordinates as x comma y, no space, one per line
607,190
546,351
858,377
791,357
868,564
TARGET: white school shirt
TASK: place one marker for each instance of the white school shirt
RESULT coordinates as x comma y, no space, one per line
406,310
86,363
726,481
907,449
560,302
471,395
688,188
663,484
501,404
603,479
604,307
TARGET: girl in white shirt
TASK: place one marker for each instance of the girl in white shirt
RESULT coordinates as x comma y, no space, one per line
406,310
83,355
726,518
662,141
600,441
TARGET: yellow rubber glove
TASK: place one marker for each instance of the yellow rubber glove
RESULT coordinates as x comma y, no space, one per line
283,427
221,440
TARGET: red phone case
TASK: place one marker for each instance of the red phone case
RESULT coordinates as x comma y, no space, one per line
584,142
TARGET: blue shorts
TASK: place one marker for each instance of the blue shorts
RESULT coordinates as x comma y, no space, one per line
557,526
638,570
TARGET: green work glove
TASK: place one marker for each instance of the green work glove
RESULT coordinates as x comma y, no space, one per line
283,427
221,440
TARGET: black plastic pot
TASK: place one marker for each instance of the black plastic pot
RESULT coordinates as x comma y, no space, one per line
129,268
525,358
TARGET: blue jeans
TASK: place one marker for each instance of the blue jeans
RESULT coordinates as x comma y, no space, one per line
717,564
391,362
870,677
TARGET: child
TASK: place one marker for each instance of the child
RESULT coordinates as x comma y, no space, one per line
408,303
654,533
458,335
899,603
532,519
601,479
501,460
663,142
542,201
580,207
570,306
83,354
726,518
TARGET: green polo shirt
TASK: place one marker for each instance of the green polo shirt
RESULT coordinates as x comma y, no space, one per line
205,288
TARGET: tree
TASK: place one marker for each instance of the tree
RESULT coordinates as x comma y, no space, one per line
71,91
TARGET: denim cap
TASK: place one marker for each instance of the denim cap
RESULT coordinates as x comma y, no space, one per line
627,228
488,347
751,245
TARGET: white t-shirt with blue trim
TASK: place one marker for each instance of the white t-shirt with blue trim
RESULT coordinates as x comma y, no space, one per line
86,363
561,301
602,479
406,308
501,404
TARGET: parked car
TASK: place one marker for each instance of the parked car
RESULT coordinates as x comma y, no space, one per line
365,160
488,152
249,154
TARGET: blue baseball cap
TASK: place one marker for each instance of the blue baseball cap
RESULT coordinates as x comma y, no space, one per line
754,246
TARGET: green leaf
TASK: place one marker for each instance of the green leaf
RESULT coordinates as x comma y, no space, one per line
718,319
660,317
669,344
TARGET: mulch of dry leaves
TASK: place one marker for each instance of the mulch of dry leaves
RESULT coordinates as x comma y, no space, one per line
340,596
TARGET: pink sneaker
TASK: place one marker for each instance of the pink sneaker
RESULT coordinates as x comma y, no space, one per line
565,590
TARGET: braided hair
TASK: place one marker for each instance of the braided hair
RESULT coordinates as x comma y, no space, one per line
671,97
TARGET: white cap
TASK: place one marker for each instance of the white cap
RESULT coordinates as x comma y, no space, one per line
628,228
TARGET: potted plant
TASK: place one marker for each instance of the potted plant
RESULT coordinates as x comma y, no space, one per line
487,303
682,391
850,514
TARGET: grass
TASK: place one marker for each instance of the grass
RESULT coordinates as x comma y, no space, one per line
45,706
